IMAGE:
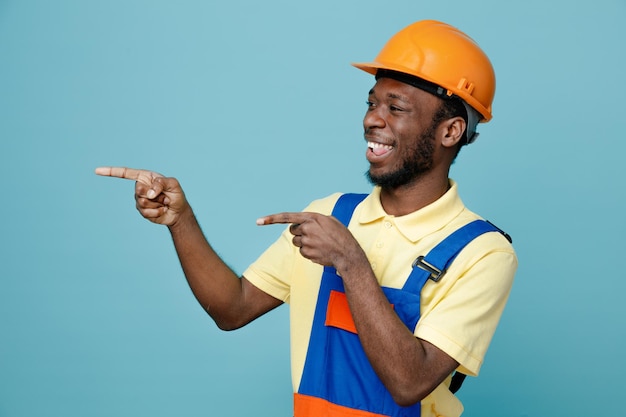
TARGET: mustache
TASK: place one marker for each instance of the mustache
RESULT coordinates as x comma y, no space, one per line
372,134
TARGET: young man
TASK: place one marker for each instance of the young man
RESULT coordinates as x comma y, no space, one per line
390,293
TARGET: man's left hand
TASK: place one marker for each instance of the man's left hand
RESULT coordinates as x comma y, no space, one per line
322,239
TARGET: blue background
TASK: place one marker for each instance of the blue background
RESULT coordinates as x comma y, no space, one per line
254,107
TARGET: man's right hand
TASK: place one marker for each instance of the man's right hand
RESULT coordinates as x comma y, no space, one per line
159,199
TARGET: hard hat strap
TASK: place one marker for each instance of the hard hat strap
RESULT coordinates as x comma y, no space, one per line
416,82
473,117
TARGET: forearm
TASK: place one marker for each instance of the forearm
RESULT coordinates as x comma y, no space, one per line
409,367
230,301
216,287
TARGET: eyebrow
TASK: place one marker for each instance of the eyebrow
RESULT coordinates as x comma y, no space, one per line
398,97
394,96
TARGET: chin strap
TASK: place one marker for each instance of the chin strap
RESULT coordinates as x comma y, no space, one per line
473,117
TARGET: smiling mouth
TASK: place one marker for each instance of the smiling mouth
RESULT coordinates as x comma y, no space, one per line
379,149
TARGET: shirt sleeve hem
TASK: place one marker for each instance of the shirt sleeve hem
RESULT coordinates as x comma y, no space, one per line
265,286
468,364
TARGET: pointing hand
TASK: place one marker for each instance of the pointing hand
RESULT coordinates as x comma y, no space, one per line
159,199
322,239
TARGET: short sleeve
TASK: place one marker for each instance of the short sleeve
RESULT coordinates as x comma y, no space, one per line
271,272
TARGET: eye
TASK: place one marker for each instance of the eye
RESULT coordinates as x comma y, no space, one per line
395,108
369,104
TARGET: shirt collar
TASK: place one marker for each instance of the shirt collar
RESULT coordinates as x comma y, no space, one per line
420,223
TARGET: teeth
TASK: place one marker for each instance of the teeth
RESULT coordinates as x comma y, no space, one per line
375,145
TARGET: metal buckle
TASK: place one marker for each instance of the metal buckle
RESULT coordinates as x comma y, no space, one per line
435,273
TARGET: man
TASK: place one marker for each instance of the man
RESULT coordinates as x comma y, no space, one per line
371,334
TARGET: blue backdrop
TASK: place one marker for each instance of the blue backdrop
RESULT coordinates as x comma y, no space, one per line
255,108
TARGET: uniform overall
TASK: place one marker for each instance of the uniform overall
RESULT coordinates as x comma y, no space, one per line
338,379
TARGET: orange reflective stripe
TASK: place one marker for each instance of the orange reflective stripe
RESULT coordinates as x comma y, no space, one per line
338,313
306,406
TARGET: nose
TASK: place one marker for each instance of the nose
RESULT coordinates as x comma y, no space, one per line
373,118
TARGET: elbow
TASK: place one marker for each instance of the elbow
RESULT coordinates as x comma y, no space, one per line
408,394
226,326
406,399
225,322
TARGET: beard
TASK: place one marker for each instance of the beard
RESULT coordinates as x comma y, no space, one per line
417,161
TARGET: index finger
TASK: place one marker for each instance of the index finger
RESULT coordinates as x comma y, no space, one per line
141,175
283,218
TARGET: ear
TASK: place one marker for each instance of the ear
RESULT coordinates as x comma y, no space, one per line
452,131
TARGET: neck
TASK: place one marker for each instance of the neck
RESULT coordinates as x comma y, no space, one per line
411,197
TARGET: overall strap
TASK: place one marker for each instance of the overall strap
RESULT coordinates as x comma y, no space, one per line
435,264
344,207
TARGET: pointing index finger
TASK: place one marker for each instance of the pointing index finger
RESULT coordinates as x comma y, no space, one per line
282,218
141,175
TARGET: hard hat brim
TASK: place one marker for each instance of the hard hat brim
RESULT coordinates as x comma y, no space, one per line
373,67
